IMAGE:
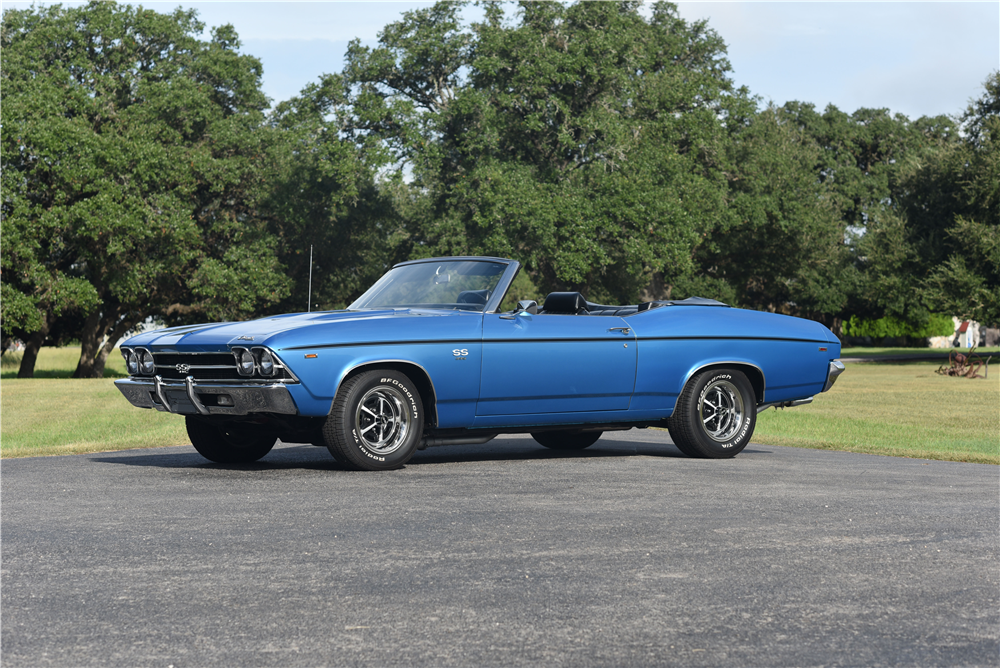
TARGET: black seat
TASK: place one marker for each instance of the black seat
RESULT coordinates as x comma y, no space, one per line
473,297
571,303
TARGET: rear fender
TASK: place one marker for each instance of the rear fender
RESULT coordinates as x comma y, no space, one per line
753,373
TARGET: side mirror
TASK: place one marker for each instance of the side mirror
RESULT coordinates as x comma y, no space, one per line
528,305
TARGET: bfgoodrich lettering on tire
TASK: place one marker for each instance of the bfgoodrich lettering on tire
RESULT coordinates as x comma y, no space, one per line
377,421
715,415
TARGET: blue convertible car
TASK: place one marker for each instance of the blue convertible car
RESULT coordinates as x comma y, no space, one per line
426,357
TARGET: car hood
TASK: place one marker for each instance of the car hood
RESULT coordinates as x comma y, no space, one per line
275,331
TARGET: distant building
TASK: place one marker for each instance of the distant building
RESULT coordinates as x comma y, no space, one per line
967,333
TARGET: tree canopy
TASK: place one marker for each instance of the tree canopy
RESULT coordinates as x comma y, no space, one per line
606,148
134,159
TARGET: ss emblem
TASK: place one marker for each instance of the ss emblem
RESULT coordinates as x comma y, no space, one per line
460,352
183,368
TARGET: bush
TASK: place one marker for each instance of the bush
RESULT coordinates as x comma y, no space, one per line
890,327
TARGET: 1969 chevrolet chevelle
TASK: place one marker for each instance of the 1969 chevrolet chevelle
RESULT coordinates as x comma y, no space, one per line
426,357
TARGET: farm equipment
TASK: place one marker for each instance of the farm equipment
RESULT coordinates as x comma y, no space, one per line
965,365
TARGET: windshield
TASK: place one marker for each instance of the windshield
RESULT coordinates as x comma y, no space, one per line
465,285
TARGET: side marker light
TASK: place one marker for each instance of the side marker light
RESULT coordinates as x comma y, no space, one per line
311,356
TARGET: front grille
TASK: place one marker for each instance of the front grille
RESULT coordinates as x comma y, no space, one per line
209,367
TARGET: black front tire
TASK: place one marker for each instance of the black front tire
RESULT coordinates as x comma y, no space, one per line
230,442
715,415
567,440
377,421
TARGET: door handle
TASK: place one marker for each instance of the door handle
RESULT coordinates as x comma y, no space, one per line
623,330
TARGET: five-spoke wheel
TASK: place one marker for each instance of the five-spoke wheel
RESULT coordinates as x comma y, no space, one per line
382,419
721,410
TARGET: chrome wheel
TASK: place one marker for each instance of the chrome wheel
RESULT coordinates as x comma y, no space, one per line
721,410
382,420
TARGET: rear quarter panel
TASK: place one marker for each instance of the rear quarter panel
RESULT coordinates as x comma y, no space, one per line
675,341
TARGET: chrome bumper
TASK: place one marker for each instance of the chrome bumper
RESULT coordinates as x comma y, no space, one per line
836,368
188,397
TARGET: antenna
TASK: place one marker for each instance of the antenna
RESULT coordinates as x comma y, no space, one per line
309,303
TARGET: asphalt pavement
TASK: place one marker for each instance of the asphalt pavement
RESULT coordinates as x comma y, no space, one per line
504,554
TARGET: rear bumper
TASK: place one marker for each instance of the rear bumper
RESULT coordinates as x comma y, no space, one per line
835,369
189,397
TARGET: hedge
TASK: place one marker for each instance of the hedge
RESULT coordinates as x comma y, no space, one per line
936,325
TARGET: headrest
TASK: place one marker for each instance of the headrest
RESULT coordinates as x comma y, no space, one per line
473,297
565,302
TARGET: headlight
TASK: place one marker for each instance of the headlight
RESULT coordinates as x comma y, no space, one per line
131,363
146,362
246,364
266,363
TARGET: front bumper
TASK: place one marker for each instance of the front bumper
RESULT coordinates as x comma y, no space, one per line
189,397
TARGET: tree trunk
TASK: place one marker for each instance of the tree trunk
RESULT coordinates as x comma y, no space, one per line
91,338
97,327
116,333
31,348
838,329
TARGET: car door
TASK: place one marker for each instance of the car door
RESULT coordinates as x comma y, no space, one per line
553,363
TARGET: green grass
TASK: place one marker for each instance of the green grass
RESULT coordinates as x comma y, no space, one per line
891,352
53,414
59,363
899,409
60,417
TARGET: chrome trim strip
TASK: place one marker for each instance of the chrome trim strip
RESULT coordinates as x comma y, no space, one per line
456,258
279,364
232,382
178,352
160,394
182,384
358,366
506,278
832,373
762,377
198,406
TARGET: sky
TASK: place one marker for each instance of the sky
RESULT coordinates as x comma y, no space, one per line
915,58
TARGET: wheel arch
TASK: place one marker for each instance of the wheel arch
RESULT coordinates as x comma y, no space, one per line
416,373
753,373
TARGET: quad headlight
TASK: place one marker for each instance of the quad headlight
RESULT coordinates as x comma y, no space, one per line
266,363
257,361
131,363
245,363
146,363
